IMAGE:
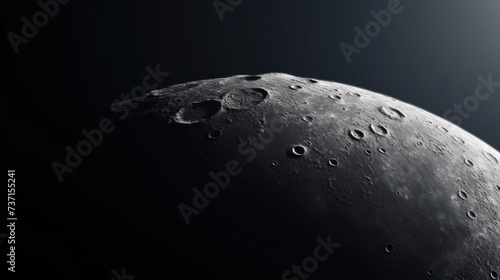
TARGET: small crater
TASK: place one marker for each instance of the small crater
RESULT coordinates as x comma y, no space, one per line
430,272
458,140
197,112
335,97
368,152
357,134
494,275
379,130
241,99
382,150
471,214
308,119
389,248
444,129
274,163
313,81
490,157
295,87
333,162
469,162
462,194
297,151
392,113
214,134
174,102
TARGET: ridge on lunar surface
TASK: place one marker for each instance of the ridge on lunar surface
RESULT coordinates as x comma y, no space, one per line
407,194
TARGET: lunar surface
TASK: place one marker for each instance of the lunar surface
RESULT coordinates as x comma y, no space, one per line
269,166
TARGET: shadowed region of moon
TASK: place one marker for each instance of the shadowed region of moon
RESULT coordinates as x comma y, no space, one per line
405,193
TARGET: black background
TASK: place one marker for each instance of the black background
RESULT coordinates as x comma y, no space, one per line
65,79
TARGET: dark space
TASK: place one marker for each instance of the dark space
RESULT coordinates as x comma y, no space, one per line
89,54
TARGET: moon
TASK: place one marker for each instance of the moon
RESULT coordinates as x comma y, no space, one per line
267,165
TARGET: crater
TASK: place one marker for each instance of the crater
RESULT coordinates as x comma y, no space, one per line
197,112
242,99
